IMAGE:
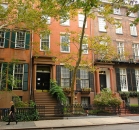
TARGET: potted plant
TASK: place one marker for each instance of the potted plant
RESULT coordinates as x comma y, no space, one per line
66,90
85,90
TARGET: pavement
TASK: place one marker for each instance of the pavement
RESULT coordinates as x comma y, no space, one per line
70,122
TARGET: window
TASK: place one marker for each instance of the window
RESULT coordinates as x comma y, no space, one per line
135,48
102,24
116,11
84,78
65,43
85,48
2,38
20,39
65,23
47,19
81,20
131,14
0,76
123,79
133,30
120,49
45,43
119,29
100,8
65,77
85,101
137,78
18,76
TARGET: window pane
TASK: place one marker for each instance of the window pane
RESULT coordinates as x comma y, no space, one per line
65,43
45,42
2,38
20,40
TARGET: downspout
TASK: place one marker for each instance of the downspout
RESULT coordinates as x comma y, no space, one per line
31,46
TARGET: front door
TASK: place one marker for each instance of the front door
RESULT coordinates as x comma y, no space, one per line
102,78
43,81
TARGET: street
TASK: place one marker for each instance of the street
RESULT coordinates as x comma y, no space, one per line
106,127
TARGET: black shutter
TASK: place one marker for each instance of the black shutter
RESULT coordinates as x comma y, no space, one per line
58,74
13,39
27,40
133,80
4,74
10,76
91,80
7,39
117,70
25,79
78,85
128,70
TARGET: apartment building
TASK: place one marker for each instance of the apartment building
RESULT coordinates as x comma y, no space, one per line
121,74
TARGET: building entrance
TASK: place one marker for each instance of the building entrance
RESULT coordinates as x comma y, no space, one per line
43,78
102,77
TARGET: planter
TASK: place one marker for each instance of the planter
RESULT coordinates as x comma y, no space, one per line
85,92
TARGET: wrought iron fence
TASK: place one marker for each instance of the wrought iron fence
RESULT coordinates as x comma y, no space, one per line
84,109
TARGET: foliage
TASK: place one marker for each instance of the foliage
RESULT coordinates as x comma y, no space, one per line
57,92
24,111
86,89
129,94
18,103
66,89
105,98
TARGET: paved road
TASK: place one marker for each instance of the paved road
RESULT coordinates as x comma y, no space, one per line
106,127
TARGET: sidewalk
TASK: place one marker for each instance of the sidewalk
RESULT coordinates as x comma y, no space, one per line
70,122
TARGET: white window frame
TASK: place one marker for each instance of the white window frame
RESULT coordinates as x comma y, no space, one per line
119,30
123,79
45,41
85,101
65,77
102,53
102,24
65,23
1,66
81,20
84,78
2,38
131,14
135,48
120,50
17,73
47,18
117,11
137,78
133,30
68,44
85,48
23,41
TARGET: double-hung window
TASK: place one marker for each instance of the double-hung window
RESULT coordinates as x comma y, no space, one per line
65,43
137,78
20,39
135,48
18,74
103,51
85,46
65,77
119,29
47,19
120,49
133,30
2,38
0,76
65,22
45,43
116,11
85,101
102,24
84,78
123,79
81,20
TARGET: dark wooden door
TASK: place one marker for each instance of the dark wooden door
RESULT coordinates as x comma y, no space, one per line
102,78
42,81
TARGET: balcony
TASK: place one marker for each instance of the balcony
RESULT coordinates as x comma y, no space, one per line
125,59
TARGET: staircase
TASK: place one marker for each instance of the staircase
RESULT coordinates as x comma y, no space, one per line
45,105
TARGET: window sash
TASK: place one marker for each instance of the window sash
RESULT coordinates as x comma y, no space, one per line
85,48
45,42
20,39
137,78
84,78
123,80
116,11
81,20
135,48
102,24
119,30
65,77
133,30
18,76
65,43
85,101
66,23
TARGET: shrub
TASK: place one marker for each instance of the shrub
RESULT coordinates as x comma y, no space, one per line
105,98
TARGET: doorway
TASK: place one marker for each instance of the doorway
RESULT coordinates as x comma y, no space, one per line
43,78
102,77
